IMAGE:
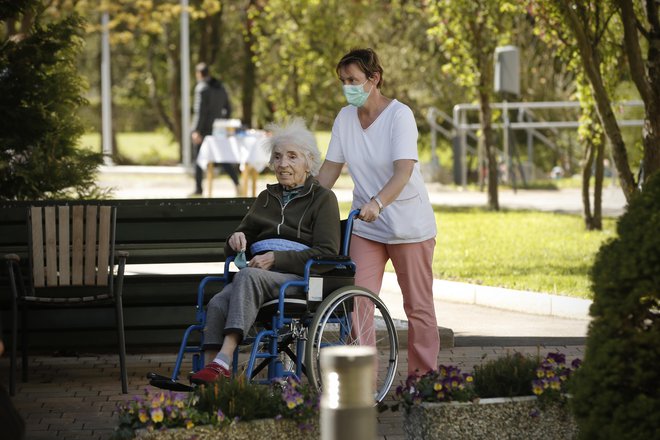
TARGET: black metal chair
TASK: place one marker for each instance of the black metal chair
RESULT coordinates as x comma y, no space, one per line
71,263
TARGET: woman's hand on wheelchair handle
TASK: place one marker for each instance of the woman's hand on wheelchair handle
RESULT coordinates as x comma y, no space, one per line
369,212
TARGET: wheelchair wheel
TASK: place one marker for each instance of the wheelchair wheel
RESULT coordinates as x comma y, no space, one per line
335,323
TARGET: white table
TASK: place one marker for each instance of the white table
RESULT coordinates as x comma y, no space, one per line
248,150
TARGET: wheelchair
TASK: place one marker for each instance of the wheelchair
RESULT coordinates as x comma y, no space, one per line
291,330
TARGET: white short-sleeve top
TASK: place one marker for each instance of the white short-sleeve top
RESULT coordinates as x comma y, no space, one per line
370,154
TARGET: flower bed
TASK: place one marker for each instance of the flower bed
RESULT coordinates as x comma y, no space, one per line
228,408
445,403
516,417
270,429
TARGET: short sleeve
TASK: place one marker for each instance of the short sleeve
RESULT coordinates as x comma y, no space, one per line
335,151
404,135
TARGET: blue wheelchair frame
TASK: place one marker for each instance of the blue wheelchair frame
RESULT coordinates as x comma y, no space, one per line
271,357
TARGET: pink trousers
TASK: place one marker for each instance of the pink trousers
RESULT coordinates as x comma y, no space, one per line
413,266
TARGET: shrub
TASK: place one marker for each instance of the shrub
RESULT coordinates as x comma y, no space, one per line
41,92
617,391
507,376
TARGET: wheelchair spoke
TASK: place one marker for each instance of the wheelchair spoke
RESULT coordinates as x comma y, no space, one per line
346,318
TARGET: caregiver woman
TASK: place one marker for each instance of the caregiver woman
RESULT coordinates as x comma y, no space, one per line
377,137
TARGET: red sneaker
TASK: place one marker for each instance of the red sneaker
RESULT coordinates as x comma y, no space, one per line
209,373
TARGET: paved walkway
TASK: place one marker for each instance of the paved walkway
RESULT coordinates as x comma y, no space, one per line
74,397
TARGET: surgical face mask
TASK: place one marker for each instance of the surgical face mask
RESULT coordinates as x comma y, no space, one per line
355,94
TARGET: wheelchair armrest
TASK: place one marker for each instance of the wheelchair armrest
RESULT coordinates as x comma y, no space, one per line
332,258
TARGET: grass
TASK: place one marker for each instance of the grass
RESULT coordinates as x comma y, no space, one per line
153,148
158,148
523,250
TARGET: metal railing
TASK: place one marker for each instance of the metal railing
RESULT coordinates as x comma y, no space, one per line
458,130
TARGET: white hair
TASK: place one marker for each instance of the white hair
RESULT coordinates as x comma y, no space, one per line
295,133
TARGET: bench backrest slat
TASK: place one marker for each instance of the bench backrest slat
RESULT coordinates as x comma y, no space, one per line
104,246
50,245
90,246
65,251
77,245
38,269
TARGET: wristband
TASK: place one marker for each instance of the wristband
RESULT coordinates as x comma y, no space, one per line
380,204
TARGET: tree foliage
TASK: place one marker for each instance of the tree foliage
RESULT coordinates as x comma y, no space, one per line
468,32
596,31
41,93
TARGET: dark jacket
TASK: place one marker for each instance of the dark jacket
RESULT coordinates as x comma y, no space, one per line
211,103
311,218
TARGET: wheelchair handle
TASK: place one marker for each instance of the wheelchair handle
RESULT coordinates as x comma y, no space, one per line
349,228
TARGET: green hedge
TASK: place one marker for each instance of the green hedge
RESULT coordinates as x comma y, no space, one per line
617,393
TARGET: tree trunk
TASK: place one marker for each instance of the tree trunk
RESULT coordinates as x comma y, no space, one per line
249,70
591,64
586,178
598,183
486,122
646,78
174,64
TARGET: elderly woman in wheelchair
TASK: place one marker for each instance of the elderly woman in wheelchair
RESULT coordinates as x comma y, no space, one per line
297,288
289,223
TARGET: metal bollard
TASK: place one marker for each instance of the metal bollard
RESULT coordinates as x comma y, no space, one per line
348,409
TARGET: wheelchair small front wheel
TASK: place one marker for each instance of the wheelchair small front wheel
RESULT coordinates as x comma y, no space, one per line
339,320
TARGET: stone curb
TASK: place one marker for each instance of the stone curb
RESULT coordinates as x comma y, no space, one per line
532,303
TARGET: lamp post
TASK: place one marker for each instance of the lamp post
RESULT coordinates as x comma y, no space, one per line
185,84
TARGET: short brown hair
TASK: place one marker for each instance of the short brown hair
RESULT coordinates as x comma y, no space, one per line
366,60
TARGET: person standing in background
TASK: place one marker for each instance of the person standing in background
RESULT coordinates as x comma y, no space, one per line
211,103
377,137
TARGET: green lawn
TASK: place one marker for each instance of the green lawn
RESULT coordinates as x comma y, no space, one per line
156,148
537,251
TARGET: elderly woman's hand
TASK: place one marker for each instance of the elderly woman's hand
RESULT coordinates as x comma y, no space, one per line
237,241
263,261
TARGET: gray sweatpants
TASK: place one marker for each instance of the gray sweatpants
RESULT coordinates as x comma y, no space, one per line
234,309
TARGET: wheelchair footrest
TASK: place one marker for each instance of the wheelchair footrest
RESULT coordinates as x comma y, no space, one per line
166,383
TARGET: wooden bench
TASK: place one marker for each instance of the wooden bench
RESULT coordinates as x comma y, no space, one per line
159,298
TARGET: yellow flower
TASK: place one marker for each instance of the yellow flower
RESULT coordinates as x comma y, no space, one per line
291,404
437,386
189,424
157,415
143,416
